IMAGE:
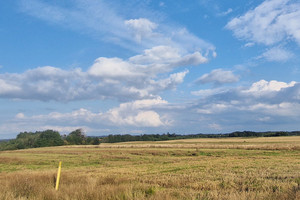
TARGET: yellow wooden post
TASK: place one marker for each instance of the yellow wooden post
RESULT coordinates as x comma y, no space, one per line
58,176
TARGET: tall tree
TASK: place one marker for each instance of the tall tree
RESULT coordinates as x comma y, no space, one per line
76,137
49,138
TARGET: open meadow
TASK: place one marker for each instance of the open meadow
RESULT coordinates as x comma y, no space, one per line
228,168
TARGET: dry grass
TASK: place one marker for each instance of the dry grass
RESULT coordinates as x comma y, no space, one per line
224,169
265,143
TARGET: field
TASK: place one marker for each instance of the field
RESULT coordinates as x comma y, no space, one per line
229,168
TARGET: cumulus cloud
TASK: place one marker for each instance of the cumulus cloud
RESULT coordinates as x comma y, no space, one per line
6,88
161,59
113,68
157,54
264,86
269,23
141,28
218,77
263,97
69,86
140,113
108,78
46,83
168,83
137,113
264,105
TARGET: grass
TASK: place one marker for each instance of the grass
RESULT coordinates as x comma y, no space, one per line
229,168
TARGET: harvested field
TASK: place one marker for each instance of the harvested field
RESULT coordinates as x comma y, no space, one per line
229,168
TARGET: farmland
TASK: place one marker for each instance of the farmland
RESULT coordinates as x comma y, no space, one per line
227,168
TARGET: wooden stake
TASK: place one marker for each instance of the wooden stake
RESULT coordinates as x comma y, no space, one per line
58,176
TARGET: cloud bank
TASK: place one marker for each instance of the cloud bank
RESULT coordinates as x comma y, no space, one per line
108,78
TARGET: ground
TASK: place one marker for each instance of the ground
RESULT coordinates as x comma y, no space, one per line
229,168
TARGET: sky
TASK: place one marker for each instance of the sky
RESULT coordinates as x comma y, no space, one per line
149,66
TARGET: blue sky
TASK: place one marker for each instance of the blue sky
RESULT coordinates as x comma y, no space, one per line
135,67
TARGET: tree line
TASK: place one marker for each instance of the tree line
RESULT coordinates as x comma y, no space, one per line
48,138
25,140
173,136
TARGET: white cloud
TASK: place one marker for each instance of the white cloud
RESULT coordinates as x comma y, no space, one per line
229,10
108,78
140,79
141,104
20,116
282,109
135,78
7,88
113,68
169,83
140,113
262,87
103,21
277,54
259,90
218,77
141,28
192,59
214,108
157,54
263,105
140,119
208,92
270,22
162,59
268,98
249,44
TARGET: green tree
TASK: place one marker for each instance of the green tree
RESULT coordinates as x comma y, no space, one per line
26,140
95,141
76,137
49,138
